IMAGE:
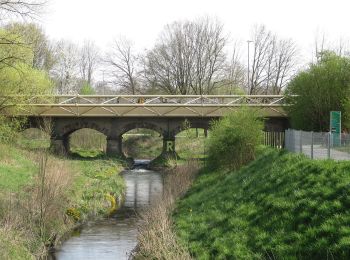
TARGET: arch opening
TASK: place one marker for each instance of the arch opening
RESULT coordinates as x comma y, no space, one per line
190,143
86,142
34,138
142,143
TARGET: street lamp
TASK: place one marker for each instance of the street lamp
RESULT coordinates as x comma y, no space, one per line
248,42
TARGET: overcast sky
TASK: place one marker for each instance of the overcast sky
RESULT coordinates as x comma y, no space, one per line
142,20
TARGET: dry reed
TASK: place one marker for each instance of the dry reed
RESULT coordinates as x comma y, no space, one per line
38,213
157,239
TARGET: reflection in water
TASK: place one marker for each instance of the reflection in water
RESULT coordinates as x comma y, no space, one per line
115,237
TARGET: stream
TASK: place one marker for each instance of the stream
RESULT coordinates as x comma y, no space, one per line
115,237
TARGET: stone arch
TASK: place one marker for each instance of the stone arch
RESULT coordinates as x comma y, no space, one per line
33,122
154,126
193,124
141,124
62,133
70,128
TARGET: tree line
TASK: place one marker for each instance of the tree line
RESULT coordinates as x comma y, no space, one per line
189,57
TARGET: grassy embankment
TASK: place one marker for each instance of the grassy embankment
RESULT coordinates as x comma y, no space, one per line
43,196
280,206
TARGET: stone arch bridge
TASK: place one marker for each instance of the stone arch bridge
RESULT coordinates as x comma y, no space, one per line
114,115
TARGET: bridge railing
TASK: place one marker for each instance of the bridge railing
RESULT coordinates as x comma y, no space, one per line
142,105
274,139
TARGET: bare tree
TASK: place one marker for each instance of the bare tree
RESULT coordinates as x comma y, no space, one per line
188,58
89,61
122,64
66,70
235,72
263,41
284,65
273,62
21,8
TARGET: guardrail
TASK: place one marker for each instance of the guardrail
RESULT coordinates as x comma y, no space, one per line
140,105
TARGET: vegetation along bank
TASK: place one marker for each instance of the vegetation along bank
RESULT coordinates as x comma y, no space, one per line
280,206
43,196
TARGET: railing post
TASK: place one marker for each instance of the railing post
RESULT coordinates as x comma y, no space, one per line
294,142
312,145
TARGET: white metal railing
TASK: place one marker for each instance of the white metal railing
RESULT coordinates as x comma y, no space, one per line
318,145
141,105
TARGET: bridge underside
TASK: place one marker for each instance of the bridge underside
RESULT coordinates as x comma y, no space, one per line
114,128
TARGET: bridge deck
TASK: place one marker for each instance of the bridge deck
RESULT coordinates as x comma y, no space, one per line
140,105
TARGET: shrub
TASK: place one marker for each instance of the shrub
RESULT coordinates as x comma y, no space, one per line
321,88
234,138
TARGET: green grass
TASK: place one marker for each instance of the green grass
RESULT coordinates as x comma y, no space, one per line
189,146
16,168
280,206
99,177
13,246
84,153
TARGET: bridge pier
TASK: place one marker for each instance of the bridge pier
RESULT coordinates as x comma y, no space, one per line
60,145
169,147
114,146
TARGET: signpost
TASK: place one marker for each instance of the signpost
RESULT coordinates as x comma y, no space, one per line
335,127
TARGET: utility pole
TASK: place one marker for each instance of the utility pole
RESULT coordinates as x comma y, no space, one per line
248,77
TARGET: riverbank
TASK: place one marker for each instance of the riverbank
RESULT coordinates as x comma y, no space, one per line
156,237
279,206
42,197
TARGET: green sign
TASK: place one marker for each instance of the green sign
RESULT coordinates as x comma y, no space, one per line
335,127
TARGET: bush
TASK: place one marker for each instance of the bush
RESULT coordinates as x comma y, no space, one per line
321,88
234,138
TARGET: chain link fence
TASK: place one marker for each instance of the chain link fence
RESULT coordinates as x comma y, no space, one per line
318,145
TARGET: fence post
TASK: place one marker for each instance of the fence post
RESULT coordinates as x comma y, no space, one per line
312,144
329,145
301,141
285,140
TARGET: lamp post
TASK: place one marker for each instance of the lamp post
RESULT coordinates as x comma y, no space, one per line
248,42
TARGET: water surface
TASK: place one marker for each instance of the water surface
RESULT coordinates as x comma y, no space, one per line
115,237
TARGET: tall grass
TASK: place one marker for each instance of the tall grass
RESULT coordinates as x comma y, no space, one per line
37,214
43,197
157,239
